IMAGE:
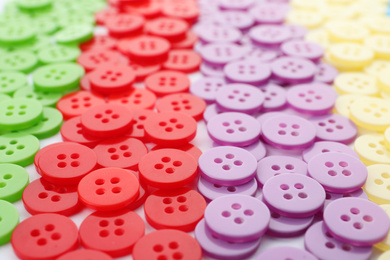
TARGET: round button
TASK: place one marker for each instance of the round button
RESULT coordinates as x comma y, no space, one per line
356,83
281,252
167,82
92,59
377,183
57,53
99,42
171,29
344,102
326,147
206,88
13,180
74,34
326,73
186,61
219,34
275,98
371,149
236,19
139,118
85,254
188,148
219,54
188,42
280,226
293,70
124,25
188,11
18,148
9,220
135,98
346,31
303,49
350,55
19,60
108,189
11,81
72,131
270,13
269,36
182,102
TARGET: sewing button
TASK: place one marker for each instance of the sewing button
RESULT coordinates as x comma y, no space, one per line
206,88
303,49
377,183
74,34
280,226
188,42
182,102
139,118
371,149
99,42
92,59
167,82
211,70
331,196
18,148
326,147
326,73
188,148
346,31
45,98
269,36
219,54
135,98
269,13
350,55
186,61
236,19
344,102
13,180
9,220
124,25
85,254
293,70
22,61
371,113
72,131
188,11
238,5
11,81
356,83
247,71
280,253
56,53
219,34
169,28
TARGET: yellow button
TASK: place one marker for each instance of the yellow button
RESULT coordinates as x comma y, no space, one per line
344,102
375,68
337,12
351,55
318,36
377,185
306,18
371,113
385,95
380,44
371,149
306,4
346,31
387,138
356,83
384,80
385,244
384,256
377,24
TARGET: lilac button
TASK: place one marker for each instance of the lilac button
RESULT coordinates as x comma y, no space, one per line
271,166
207,87
247,71
269,36
275,98
237,218
313,98
303,49
326,147
330,196
298,31
333,127
240,5
261,55
326,73
219,34
293,195
281,226
227,165
211,70
240,98
322,244
356,221
258,150
237,19
337,172
234,128
212,191
221,249
269,13
288,132
210,111
265,116
285,253
221,53
293,70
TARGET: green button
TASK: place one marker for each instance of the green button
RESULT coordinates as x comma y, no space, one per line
12,81
23,61
16,33
18,148
45,25
13,180
4,97
58,77
35,45
47,99
58,53
9,219
65,20
49,125
29,5
74,34
19,113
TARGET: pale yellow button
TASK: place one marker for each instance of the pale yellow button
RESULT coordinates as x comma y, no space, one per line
337,12
371,149
340,67
387,138
385,244
306,18
378,24
351,54
384,80
356,83
384,256
318,36
312,5
380,44
385,95
346,31
375,68
344,102
371,113
377,185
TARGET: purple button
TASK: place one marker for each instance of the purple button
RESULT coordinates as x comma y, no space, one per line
330,196
265,116
237,19
285,253
298,31
269,13
258,150
288,132
269,36
219,34
237,218
261,55
247,71
234,128
240,98
206,88
227,165
210,111
326,147
271,166
281,226
356,221
303,49
338,172
293,195
220,249
313,98
293,70
333,127
326,73
211,70
221,53
275,98
322,244
240,5
212,191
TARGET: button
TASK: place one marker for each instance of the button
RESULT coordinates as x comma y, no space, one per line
103,15
139,118
281,252
303,49
210,111
346,31
356,83
44,236
344,102
72,131
384,245
124,25
74,34
377,183
275,98
92,59
326,147
21,33
378,43
206,88
99,42
9,220
350,55
13,180
247,71
236,19
171,29
186,61
219,34
188,42
177,209
307,18
326,73
293,70
85,254
167,82
167,244
57,53
241,5
47,99
11,81
371,113
143,194
18,148
331,196
149,10
280,226
219,54
188,148
211,70
269,13
371,149
187,11
182,102
19,60
135,98
269,36
113,233
261,55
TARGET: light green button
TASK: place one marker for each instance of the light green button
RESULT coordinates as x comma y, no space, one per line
4,97
23,61
45,25
18,148
11,81
45,98
58,53
9,219
30,5
74,34
16,33
13,180
64,20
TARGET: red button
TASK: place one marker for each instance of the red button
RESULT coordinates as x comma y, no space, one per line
114,233
139,118
107,120
136,98
107,79
44,237
94,58
40,152
186,103
149,10
168,169
183,10
188,148
143,194
183,60
66,164
171,29
167,82
142,71
40,196
83,254
99,42
170,129
108,189
125,25
176,209
74,104
167,244
72,131
187,43
84,82
120,152
103,15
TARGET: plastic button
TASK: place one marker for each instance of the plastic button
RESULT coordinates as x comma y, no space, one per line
85,254
13,180
18,148
167,82
9,220
182,102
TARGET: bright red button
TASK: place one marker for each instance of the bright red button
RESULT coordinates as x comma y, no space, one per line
108,189
83,254
40,152
114,233
120,152
99,42
142,71
176,209
94,58
182,10
66,164
167,244
139,118
171,29
143,194
188,148
183,60
136,98
187,43
107,120
41,196
102,16
167,82
149,10
124,25
44,237
170,129
72,131
186,103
